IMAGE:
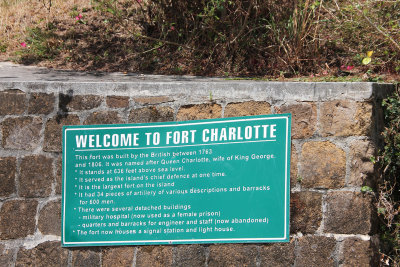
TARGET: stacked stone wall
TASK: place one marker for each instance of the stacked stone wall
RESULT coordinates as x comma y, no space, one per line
334,135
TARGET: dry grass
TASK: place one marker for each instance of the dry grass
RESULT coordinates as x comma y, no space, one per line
19,15
262,38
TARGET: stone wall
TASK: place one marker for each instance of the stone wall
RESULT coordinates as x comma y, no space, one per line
334,134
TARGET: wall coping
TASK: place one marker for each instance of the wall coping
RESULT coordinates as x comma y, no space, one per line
190,88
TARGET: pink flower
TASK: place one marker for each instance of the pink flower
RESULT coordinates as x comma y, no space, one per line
349,67
172,28
78,17
23,44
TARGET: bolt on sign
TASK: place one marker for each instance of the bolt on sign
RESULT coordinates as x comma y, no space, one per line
207,181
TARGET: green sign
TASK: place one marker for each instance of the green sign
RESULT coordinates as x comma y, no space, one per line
207,181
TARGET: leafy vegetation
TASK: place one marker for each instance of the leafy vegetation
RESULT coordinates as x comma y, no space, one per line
388,204
42,44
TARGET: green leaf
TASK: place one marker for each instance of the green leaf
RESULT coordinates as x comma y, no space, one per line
366,189
366,60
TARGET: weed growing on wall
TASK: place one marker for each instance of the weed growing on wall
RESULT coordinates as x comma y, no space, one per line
388,204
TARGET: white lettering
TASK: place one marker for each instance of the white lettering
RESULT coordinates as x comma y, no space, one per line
81,140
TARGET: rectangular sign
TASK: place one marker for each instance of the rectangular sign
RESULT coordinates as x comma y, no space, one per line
208,181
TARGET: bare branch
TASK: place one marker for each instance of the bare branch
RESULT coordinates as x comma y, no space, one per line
377,28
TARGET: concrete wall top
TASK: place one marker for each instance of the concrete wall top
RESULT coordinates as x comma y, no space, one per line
190,88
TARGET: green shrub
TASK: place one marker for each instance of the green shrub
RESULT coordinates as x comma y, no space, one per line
388,204
40,44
